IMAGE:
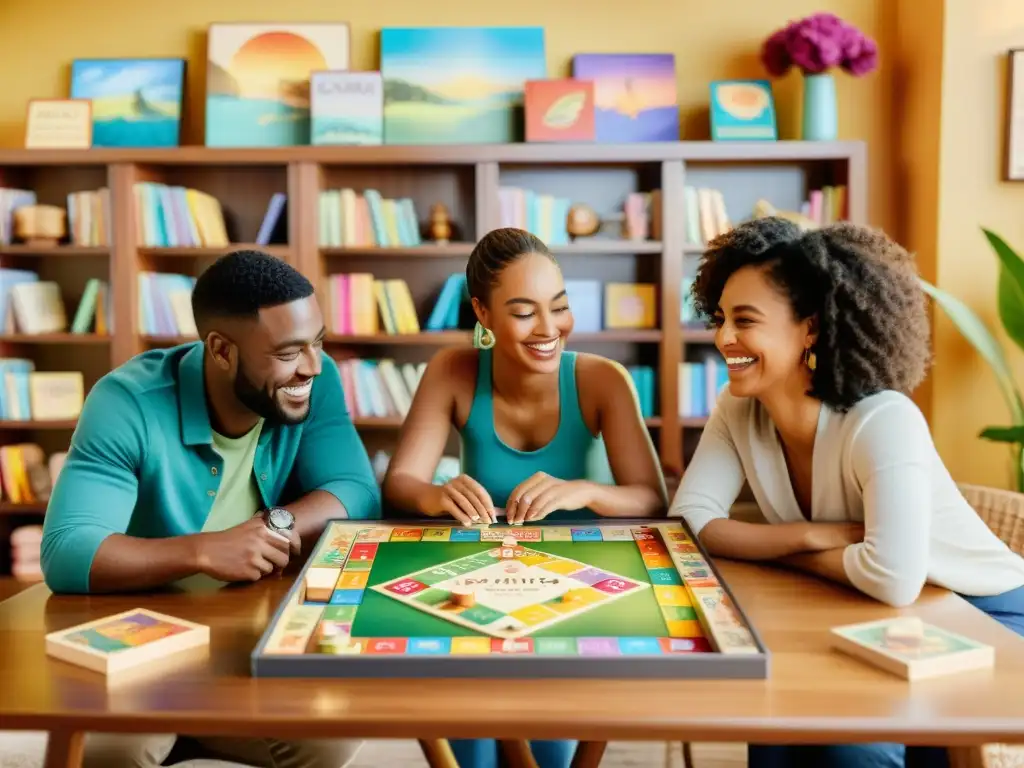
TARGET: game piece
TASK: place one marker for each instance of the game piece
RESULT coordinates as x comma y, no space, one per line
912,649
320,583
464,597
443,600
126,640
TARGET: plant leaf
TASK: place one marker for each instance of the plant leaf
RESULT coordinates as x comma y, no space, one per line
975,331
1011,288
1003,434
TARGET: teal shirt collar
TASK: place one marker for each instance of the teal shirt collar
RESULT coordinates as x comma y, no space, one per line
195,417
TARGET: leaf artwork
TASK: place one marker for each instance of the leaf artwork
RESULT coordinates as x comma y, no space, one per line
564,112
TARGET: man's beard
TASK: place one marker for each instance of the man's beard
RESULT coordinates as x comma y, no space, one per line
262,404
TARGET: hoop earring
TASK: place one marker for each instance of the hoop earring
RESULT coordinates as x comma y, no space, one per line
810,359
482,337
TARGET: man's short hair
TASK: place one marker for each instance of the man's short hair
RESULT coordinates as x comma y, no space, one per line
241,283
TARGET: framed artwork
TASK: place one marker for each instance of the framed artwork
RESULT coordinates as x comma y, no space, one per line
634,94
135,102
742,110
1013,169
346,108
458,85
258,80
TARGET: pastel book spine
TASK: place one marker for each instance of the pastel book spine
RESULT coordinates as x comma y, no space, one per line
272,220
455,306
450,292
374,201
378,403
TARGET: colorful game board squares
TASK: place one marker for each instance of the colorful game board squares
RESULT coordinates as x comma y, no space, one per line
590,575
406,534
388,645
563,567
554,646
293,631
709,582
685,548
332,552
598,646
640,646
472,646
723,621
651,547
677,535
493,534
531,615
678,613
664,577
347,597
586,534
616,534
436,534
575,599
431,596
684,629
465,534
405,586
535,558
428,646
685,645
521,534
512,645
557,533
339,613
674,595
615,585
364,552
377,533
643,533
353,579
481,614
657,561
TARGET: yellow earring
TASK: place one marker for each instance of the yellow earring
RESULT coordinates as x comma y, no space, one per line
810,359
483,338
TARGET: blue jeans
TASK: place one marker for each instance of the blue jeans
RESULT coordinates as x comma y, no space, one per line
484,753
1007,609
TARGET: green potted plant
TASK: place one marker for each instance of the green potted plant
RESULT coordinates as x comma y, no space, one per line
1010,299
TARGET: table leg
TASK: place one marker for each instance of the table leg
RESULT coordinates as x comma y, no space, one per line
589,754
438,753
65,749
518,754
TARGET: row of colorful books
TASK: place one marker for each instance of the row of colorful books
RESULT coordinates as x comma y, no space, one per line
165,304
350,219
30,395
26,474
700,383
87,221
358,303
32,306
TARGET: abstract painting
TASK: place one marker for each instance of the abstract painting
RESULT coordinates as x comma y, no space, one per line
257,80
458,85
135,102
347,108
634,93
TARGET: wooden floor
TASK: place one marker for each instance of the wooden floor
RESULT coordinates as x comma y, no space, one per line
619,754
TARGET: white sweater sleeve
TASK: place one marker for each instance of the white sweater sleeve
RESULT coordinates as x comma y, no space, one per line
713,478
891,455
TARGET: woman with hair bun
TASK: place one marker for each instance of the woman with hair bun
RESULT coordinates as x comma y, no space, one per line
537,423
825,334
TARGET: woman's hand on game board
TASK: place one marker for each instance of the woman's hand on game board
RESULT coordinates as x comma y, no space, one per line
466,500
541,494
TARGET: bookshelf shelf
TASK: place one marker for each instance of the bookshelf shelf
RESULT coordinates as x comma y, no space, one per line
449,250
468,180
54,338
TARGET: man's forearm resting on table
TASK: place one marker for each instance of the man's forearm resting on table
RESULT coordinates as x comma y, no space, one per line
124,563
753,541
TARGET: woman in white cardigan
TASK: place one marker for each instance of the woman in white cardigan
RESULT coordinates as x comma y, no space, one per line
824,333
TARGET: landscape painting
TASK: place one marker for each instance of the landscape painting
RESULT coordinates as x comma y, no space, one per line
458,85
347,108
135,102
258,80
634,94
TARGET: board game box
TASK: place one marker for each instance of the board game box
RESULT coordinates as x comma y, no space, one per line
607,598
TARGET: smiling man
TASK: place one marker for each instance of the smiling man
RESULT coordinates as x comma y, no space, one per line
212,461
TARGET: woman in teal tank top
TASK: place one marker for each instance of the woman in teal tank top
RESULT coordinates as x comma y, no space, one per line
547,434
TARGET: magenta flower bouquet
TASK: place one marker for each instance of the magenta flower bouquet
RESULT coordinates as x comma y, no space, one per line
816,45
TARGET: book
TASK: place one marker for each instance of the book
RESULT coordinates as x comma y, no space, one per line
912,649
126,640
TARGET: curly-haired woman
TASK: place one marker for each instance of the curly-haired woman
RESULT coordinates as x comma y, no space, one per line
825,333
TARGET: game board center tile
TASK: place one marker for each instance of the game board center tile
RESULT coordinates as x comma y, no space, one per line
504,592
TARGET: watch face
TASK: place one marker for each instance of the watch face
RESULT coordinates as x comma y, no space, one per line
280,518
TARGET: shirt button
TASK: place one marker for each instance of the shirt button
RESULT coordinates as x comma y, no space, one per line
263,476
211,493
213,470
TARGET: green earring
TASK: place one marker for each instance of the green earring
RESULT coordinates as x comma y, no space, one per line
482,337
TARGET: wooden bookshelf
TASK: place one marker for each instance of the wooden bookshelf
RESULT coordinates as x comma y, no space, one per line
466,179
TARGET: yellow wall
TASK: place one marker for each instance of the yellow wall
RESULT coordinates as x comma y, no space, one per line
971,195
715,40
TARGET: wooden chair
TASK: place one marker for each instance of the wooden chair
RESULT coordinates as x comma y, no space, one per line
1003,513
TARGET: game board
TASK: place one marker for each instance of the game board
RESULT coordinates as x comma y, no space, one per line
606,598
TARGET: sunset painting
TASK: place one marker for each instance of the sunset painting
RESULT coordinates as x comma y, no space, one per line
257,80
458,85
634,95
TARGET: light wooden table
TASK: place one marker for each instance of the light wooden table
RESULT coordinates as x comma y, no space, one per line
813,694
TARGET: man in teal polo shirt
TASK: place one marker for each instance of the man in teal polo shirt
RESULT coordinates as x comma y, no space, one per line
219,460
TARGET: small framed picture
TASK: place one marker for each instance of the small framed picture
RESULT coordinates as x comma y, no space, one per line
1013,168
742,110
58,124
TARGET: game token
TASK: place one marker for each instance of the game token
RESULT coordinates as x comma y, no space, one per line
590,599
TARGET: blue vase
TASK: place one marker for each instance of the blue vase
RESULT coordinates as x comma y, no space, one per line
821,114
